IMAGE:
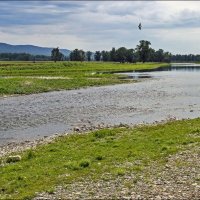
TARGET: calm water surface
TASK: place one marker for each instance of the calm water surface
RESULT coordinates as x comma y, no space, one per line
176,69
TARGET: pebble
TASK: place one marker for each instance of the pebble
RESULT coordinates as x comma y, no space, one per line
15,158
162,182
166,186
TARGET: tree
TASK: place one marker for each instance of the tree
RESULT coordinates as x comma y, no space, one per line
97,55
159,54
81,55
77,55
105,56
74,55
113,55
167,57
121,54
152,55
130,55
55,54
143,50
88,55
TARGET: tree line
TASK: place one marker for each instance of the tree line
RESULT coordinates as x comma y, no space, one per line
23,57
142,53
28,57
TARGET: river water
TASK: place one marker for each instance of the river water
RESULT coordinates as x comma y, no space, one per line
162,94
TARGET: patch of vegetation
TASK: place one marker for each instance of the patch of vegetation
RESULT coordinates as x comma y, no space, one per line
72,165
99,157
120,172
26,77
103,133
84,163
30,154
76,157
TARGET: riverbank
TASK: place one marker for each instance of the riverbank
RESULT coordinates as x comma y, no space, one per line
28,78
178,179
137,162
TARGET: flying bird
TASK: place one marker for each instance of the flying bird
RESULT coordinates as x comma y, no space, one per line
140,26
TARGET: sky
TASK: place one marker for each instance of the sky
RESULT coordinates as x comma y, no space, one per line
100,25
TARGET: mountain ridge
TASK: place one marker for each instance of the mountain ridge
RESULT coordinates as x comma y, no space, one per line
30,49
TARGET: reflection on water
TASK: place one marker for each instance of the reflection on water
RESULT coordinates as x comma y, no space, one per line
174,69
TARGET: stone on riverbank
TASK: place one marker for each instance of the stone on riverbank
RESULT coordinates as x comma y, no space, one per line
15,158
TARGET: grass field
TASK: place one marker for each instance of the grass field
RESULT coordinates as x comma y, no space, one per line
28,77
93,154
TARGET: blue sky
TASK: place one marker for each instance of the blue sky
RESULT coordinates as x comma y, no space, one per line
98,25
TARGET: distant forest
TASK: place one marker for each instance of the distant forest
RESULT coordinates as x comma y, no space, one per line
142,53
23,57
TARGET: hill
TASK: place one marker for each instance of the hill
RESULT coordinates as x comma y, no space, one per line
30,49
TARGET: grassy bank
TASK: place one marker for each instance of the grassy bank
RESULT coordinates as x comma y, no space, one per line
26,77
94,154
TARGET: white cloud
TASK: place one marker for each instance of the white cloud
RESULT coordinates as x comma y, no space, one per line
98,25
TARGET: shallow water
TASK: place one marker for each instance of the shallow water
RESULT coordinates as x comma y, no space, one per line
175,69
166,94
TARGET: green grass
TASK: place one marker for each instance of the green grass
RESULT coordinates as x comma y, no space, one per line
22,77
73,157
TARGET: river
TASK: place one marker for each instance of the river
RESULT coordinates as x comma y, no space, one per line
162,94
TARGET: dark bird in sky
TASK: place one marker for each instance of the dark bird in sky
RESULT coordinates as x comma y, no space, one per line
140,26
